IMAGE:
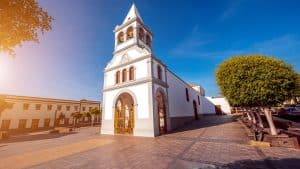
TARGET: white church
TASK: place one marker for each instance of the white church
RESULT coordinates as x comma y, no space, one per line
141,96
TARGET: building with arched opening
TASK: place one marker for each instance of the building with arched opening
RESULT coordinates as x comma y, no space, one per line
141,96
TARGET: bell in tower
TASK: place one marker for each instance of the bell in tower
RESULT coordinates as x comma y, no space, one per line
132,33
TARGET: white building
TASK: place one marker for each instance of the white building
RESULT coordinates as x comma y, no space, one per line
221,104
33,113
141,96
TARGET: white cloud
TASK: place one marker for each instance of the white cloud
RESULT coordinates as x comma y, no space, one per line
230,10
192,43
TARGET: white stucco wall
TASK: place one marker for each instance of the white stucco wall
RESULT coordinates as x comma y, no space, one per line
143,88
143,112
155,72
141,71
178,105
225,107
207,107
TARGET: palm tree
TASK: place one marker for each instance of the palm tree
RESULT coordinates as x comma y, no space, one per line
95,112
76,116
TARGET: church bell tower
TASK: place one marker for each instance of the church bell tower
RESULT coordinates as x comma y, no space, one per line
132,32
128,80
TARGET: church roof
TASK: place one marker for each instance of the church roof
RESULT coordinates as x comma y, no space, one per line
133,13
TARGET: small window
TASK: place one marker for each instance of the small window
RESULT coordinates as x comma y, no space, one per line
148,40
129,33
90,108
83,108
121,37
198,100
59,107
49,107
141,34
46,123
38,107
5,124
68,108
131,73
187,94
117,77
35,123
159,74
25,106
76,108
124,75
22,124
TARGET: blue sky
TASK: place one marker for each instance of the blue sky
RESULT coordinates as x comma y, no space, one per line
191,37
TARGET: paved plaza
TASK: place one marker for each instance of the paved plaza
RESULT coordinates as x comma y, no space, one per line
211,142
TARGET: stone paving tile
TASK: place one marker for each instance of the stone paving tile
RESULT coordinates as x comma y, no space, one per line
15,146
185,134
212,142
179,164
45,155
104,159
220,153
163,146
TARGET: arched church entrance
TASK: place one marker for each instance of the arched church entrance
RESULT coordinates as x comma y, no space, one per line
161,112
124,114
195,110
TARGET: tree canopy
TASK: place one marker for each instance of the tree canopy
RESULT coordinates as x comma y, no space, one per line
297,86
95,112
76,115
255,80
20,21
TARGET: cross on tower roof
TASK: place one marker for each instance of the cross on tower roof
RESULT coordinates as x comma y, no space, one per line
133,13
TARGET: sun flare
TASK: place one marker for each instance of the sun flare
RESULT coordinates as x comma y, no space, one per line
5,68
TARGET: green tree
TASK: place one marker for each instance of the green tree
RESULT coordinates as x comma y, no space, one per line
297,87
76,116
95,112
20,21
256,81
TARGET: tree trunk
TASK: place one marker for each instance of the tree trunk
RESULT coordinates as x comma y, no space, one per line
74,122
92,122
269,117
260,122
253,117
249,116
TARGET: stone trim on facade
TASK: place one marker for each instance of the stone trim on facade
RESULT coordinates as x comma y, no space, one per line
136,82
45,100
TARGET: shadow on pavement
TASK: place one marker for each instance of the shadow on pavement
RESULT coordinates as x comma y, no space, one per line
22,138
285,163
207,121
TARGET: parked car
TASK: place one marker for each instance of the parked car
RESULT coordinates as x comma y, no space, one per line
292,111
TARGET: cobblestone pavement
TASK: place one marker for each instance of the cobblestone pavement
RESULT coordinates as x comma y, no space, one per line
212,142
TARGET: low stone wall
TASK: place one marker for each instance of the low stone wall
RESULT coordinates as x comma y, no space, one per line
26,130
281,140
